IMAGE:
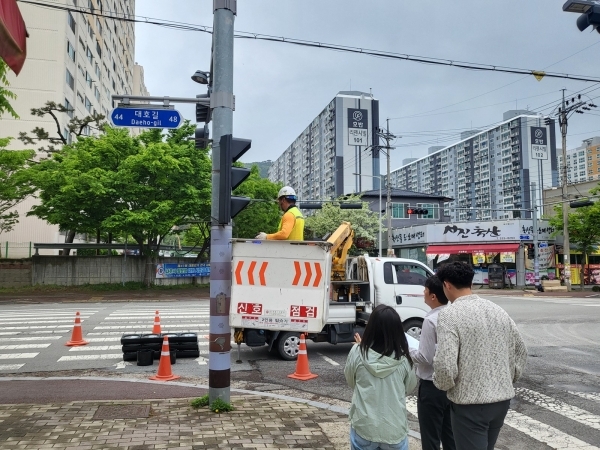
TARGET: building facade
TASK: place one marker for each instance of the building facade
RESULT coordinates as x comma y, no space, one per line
75,59
583,162
489,173
321,162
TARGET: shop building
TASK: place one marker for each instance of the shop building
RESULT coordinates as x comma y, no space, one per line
481,243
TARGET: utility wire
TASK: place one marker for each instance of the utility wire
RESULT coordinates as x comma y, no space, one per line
322,45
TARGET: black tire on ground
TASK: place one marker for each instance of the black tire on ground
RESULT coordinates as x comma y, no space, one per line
288,344
188,354
151,339
132,356
184,346
130,339
412,327
135,348
186,337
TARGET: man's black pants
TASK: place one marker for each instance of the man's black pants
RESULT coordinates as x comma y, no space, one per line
476,427
433,408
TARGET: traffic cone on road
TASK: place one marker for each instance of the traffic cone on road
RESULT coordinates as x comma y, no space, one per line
164,365
76,336
302,370
156,327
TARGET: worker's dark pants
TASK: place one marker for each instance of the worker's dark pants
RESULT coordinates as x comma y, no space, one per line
433,408
476,427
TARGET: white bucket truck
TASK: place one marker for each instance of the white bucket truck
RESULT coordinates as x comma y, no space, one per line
283,288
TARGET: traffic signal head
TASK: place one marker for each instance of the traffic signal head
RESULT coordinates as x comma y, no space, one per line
203,111
417,211
548,121
580,203
231,149
202,137
350,205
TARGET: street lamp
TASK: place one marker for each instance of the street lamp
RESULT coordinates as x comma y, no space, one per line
380,182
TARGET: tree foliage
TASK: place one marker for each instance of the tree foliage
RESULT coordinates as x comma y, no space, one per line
139,186
15,186
262,214
365,222
6,94
76,127
584,229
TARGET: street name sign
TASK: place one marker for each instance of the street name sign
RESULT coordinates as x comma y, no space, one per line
539,143
145,118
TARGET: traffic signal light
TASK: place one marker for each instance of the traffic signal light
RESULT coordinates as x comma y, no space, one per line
548,121
580,203
202,137
417,211
203,111
350,205
530,251
231,149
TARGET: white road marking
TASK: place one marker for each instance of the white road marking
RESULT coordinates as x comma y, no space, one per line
587,395
571,412
90,357
329,360
201,361
23,346
151,319
18,355
8,333
96,348
11,366
122,364
39,326
32,338
109,339
35,322
542,432
127,327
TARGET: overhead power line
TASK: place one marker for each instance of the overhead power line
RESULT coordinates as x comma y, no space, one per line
322,45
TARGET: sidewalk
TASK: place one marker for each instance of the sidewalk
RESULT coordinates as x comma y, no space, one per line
62,419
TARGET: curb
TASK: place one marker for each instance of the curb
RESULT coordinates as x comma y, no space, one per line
320,405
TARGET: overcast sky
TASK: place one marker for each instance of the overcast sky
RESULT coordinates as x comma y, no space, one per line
280,88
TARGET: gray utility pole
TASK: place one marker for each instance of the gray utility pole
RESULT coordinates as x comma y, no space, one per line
536,259
388,206
219,359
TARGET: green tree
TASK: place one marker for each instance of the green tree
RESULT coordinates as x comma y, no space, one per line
15,186
365,222
262,214
76,127
584,229
5,94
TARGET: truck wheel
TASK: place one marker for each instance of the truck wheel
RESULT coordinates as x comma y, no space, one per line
288,344
412,327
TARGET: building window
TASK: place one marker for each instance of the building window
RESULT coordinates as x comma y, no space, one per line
399,210
96,93
69,108
70,80
88,105
81,71
99,49
71,21
98,26
80,97
88,78
97,71
67,135
90,55
70,51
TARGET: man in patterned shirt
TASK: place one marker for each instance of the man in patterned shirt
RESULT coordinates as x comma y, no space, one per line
480,355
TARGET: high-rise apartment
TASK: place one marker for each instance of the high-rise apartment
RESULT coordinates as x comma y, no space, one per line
321,162
76,59
490,172
583,162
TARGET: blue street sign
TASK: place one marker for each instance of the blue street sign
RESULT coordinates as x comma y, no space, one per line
145,118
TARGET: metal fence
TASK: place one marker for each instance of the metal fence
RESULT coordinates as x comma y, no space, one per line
15,250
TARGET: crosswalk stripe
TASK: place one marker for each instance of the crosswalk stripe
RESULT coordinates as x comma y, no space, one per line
541,432
90,357
35,322
108,339
25,315
18,355
23,346
39,326
571,412
11,366
129,327
151,318
587,395
8,333
31,338
96,348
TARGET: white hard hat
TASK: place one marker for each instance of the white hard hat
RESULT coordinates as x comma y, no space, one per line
287,192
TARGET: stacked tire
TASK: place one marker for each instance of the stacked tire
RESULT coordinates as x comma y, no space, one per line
184,345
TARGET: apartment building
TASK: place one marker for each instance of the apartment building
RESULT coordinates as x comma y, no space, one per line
583,162
321,162
488,173
76,59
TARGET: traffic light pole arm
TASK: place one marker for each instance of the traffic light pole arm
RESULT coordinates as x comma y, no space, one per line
166,100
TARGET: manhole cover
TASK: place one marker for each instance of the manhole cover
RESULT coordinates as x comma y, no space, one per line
122,412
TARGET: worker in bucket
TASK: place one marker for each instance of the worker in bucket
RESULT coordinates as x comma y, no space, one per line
291,225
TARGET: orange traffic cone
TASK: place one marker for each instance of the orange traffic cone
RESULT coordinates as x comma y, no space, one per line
156,327
164,365
302,370
76,336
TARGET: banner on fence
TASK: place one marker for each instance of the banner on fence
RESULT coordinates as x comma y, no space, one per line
182,270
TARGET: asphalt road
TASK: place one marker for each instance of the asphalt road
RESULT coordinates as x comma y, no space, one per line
557,404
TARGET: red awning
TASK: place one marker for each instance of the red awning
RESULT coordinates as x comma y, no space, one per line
13,34
471,248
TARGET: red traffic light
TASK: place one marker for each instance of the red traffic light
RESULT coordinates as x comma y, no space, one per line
417,211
